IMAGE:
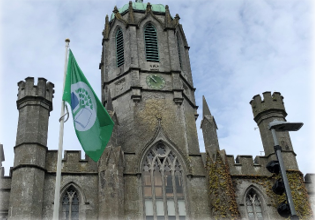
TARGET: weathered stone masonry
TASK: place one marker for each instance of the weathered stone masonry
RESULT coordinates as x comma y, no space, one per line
152,167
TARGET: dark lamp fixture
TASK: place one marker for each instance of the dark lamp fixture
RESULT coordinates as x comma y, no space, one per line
278,187
273,167
284,210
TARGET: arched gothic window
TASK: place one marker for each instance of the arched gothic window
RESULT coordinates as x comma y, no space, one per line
179,51
151,45
254,206
163,186
70,204
120,48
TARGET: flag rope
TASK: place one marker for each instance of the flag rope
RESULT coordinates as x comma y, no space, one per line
67,114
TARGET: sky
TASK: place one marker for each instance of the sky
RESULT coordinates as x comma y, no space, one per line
238,49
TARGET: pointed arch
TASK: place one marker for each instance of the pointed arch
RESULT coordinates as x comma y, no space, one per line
77,187
71,201
254,204
151,16
163,183
161,137
70,204
151,43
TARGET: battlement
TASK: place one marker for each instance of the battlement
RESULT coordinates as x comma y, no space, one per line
71,163
245,165
274,102
43,88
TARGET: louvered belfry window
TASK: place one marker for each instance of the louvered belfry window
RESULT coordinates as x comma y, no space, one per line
151,45
120,48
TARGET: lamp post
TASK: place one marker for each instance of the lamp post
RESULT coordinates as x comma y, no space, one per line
284,126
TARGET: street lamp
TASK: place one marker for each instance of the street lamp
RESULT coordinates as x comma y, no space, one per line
284,126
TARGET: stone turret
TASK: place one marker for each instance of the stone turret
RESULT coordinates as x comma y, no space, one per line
34,104
265,111
209,130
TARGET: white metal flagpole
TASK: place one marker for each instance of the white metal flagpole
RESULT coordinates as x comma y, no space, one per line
62,114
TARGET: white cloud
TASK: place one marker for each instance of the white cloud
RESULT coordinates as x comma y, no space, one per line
238,49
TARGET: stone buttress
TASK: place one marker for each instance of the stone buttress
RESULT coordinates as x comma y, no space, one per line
110,171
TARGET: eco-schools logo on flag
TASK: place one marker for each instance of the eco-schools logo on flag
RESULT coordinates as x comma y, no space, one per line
83,106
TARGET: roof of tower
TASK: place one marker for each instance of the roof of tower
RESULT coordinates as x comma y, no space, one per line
205,107
140,6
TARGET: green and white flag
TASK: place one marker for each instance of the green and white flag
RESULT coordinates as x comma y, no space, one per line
92,123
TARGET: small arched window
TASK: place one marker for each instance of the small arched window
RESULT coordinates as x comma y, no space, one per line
151,45
254,206
179,42
120,48
70,204
163,186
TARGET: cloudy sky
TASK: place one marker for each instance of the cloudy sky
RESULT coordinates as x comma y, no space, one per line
238,48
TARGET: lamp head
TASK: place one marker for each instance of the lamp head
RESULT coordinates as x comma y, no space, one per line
273,167
285,126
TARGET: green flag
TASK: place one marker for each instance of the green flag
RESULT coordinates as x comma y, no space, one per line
92,123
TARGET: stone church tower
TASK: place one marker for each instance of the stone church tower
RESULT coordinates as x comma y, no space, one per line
152,167
146,73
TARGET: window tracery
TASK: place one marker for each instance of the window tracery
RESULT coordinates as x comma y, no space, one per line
163,185
254,206
70,204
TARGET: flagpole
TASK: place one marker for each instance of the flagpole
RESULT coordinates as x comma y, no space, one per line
58,173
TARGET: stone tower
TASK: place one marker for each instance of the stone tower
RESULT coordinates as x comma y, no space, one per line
151,168
27,190
266,110
145,67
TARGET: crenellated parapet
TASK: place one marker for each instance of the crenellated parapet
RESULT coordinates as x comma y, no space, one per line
265,111
247,166
29,91
71,162
270,102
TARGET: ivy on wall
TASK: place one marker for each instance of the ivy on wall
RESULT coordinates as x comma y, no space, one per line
223,198
222,195
299,195
298,191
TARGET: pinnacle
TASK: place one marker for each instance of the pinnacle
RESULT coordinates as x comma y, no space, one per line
205,108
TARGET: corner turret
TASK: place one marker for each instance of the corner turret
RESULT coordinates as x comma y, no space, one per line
34,104
209,130
28,174
266,110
